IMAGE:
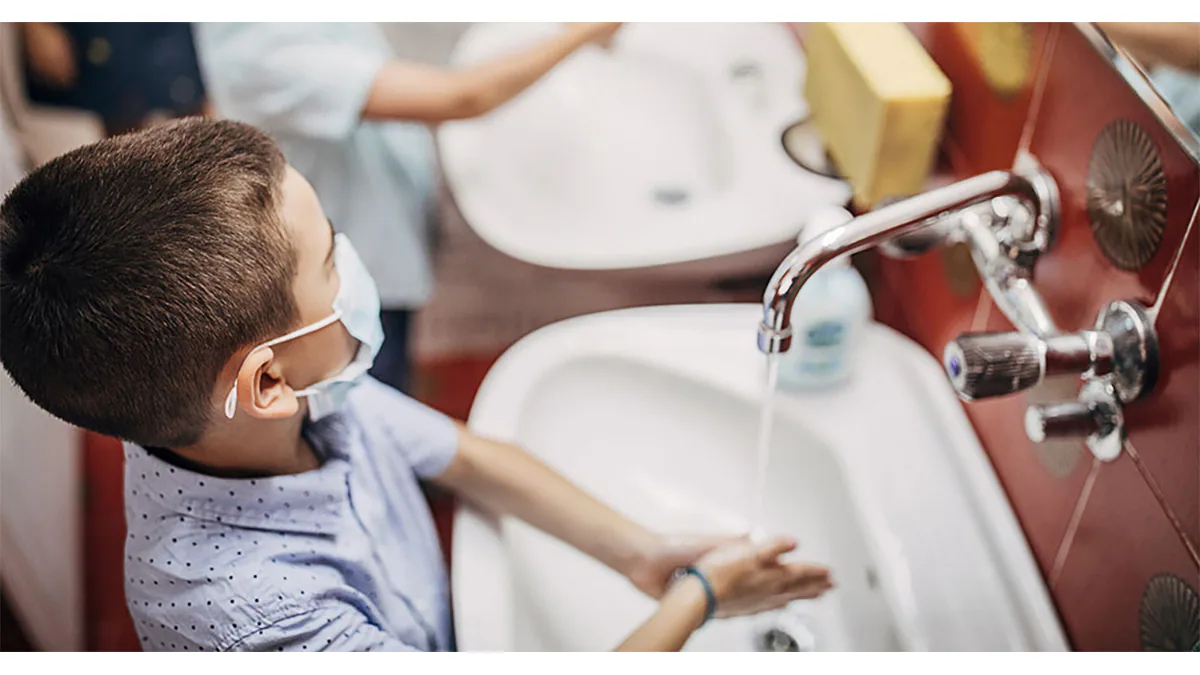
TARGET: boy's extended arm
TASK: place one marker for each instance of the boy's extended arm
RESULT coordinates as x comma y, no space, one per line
504,479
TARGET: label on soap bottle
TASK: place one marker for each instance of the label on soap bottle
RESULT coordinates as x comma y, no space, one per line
822,353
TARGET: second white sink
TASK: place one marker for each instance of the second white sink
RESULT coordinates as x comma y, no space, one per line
664,150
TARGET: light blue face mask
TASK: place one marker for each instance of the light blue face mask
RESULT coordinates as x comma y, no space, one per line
357,307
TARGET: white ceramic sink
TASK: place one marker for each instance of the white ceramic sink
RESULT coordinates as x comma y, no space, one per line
655,412
665,149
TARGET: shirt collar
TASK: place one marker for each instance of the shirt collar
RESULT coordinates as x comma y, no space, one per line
313,502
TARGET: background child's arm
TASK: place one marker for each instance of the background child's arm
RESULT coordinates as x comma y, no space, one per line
50,54
1175,44
407,90
295,79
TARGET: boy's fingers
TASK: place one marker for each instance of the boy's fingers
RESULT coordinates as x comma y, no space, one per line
768,552
801,572
806,592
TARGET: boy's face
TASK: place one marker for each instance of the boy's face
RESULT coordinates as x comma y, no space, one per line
323,353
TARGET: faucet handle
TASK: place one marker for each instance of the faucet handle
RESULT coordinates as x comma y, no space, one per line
1123,356
1118,361
1096,416
984,365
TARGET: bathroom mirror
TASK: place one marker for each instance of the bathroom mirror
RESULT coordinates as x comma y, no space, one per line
1172,93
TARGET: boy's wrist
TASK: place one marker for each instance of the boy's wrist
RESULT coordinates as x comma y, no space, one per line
637,547
585,33
688,594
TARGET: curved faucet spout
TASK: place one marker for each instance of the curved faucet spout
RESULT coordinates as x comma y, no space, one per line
877,227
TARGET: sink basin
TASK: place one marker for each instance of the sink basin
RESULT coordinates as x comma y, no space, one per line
655,412
666,148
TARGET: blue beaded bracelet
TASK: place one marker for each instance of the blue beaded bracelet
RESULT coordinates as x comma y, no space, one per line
710,598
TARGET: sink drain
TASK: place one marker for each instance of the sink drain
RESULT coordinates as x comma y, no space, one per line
785,631
775,640
670,196
744,69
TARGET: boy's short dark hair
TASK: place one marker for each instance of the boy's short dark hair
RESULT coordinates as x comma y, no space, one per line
132,269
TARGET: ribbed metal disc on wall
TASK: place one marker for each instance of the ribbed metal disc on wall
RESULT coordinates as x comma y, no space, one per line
1169,620
1126,195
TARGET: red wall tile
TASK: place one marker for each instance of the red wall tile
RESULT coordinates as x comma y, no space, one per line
1135,523
983,128
109,627
1123,540
1084,94
1166,429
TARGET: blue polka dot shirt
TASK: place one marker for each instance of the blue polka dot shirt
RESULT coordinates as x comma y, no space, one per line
344,557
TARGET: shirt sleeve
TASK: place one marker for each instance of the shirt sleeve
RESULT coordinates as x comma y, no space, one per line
427,438
335,628
287,78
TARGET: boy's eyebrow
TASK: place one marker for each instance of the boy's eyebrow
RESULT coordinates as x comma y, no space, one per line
332,232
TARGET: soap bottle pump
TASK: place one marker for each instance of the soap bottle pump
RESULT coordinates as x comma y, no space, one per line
828,317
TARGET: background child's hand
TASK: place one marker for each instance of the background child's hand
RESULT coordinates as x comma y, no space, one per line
50,53
748,578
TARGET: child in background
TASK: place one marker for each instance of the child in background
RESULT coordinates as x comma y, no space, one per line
126,73
353,121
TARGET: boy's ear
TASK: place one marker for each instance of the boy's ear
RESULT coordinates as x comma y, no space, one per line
262,391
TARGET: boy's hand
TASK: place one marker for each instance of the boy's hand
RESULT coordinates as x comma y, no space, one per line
596,33
748,577
653,571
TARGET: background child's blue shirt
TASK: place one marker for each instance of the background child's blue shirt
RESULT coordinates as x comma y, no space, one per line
345,557
306,85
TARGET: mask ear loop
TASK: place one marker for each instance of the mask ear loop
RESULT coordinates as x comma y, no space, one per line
231,399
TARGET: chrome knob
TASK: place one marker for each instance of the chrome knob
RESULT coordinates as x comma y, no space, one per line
1096,416
1134,347
1059,420
986,365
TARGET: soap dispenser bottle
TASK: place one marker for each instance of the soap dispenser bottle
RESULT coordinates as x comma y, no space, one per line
829,316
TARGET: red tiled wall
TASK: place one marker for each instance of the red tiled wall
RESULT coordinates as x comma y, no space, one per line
1101,531
108,625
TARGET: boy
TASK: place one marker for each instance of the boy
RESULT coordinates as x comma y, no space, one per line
351,118
181,288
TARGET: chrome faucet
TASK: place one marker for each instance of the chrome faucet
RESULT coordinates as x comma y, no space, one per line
1007,219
